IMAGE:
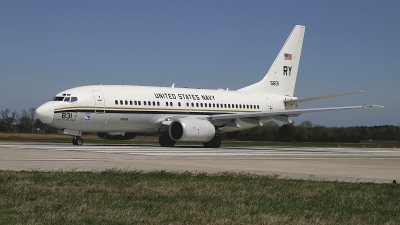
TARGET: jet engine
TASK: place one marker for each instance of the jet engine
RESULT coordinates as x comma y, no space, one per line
191,129
116,135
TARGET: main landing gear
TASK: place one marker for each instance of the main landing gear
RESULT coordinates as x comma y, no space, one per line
77,141
213,143
166,141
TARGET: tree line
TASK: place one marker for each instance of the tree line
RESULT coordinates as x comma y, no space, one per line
23,122
26,122
309,132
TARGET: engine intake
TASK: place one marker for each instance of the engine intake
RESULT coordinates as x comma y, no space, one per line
115,135
191,129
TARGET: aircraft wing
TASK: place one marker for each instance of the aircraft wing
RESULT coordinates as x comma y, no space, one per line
286,113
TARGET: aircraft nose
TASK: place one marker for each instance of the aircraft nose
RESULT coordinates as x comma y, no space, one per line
45,112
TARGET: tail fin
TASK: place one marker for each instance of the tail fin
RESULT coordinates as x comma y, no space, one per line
281,77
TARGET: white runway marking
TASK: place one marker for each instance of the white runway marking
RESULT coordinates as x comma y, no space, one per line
198,151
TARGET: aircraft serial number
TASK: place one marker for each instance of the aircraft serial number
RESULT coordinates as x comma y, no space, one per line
274,83
66,115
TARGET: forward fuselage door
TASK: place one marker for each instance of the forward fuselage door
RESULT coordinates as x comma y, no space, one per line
187,106
269,104
98,102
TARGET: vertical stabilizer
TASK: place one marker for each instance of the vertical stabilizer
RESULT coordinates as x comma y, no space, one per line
281,77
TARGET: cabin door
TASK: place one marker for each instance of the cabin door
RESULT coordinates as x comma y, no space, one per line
187,106
98,102
269,104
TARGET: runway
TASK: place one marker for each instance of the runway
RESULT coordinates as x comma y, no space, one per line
343,164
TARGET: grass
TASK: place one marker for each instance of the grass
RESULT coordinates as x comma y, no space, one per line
159,197
151,140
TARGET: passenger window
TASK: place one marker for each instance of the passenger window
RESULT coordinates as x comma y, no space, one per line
144,102
179,104
66,99
74,99
201,105
214,105
121,102
130,102
139,103
154,103
126,102
135,102
187,104
197,104
166,103
158,103
171,104
149,103
116,102
192,104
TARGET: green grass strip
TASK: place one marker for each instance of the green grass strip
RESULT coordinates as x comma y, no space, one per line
159,197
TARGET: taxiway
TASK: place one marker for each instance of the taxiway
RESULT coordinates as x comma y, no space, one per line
343,164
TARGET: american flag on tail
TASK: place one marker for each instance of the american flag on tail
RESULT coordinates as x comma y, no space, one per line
288,56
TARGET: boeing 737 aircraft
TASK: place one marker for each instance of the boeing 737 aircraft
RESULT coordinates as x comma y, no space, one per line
183,114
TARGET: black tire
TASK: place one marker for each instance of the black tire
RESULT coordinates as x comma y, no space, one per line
166,141
213,143
77,141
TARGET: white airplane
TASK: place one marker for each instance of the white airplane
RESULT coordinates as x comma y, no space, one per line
183,114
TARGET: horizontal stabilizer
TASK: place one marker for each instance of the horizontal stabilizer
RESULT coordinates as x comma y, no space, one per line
294,112
321,97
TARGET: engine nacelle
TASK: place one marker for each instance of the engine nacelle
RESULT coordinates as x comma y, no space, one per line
191,129
116,135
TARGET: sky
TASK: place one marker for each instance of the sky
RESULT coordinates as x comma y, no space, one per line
50,46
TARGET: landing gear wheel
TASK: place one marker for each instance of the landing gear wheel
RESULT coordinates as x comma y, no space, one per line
166,141
213,143
77,141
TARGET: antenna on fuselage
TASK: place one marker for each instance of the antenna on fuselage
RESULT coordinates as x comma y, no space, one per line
173,85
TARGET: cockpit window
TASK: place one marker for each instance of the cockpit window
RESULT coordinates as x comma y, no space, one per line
66,99
74,99
57,98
